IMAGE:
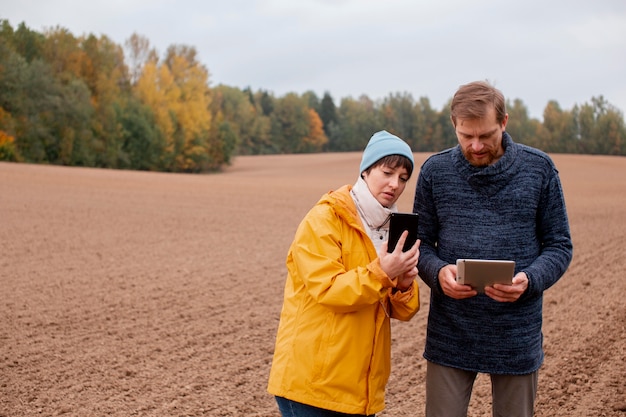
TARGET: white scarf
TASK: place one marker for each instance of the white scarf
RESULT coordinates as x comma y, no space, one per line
373,215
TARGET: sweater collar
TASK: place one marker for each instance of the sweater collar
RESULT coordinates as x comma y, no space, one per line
492,178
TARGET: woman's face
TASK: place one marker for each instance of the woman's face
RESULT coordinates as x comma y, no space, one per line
386,184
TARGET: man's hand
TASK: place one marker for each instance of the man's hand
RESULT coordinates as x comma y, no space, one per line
451,288
508,293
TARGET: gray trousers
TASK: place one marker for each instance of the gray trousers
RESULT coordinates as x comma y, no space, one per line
448,392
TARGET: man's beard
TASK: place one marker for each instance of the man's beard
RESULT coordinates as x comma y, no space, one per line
491,156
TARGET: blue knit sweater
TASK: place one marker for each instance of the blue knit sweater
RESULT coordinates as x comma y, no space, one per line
513,209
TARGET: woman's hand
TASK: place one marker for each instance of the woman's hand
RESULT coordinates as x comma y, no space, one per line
398,263
405,281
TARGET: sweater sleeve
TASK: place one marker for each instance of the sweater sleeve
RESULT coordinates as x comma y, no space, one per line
554,235
429,263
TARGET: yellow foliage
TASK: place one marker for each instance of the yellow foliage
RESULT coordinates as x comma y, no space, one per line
7,147
150,91
6,139
317,138
178,93
63,52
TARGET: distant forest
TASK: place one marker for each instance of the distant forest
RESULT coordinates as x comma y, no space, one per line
86,101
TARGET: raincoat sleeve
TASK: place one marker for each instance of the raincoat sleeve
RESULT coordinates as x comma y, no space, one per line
404,305
336,265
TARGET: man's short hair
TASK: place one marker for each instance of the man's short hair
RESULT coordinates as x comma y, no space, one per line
472,101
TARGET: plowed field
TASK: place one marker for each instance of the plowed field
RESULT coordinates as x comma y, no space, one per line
151,294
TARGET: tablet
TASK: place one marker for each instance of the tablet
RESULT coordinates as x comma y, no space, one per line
480,273
398,223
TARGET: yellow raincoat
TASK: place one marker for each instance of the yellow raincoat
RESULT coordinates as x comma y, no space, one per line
333,346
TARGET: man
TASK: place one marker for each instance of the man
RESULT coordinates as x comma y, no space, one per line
487,198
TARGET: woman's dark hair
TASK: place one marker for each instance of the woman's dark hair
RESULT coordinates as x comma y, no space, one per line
394,161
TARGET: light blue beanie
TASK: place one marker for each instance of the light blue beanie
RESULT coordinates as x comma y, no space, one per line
383,144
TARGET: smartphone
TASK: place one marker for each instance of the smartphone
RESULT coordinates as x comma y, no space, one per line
398,223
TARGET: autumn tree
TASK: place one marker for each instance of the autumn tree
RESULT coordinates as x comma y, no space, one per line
559,129
142,142
249,127
8,151
177,92
444,135
398,116
62,52
190,107
312,100
316,139
105,72
521,127
425,120
139,52
266,101
328,114
289,123
358,120
25,42
600,128
49,118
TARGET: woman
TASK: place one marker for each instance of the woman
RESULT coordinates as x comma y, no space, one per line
333,347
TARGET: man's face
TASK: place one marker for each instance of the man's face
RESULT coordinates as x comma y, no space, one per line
481,139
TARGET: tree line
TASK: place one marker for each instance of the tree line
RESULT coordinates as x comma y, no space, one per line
87,101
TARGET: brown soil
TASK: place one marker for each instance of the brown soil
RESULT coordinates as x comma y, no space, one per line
151,294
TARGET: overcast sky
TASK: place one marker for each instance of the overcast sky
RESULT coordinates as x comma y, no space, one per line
534,50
